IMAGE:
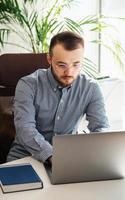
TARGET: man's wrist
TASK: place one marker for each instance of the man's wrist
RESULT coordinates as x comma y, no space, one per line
49,160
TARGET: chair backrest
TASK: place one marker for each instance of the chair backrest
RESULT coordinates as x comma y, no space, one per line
12,68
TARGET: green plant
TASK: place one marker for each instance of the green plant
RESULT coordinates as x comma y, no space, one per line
36,26
33,25
112,43
36,21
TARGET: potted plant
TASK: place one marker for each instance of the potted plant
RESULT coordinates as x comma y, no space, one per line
35,25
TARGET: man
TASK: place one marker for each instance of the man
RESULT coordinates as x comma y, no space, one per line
52,101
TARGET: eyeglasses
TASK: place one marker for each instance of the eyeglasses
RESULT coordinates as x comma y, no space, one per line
75,65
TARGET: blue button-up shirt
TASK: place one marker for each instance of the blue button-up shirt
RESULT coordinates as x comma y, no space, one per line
42,108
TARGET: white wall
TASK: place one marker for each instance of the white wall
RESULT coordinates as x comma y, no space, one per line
114,94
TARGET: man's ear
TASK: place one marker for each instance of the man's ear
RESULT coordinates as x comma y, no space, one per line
49,58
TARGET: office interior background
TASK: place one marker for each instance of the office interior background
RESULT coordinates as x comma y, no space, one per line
104,46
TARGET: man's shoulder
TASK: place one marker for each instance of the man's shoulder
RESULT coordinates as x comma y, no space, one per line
85,83
33,79
84,79
35,75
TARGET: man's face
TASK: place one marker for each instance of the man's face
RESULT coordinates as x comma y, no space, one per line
66,64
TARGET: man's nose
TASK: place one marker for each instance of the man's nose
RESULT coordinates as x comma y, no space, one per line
69,71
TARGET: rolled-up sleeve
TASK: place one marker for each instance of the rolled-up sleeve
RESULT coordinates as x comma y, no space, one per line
24,118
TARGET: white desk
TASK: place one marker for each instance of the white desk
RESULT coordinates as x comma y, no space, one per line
97,190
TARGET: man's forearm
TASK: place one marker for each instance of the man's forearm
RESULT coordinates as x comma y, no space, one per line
34,143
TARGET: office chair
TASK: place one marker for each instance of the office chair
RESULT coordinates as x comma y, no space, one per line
12,68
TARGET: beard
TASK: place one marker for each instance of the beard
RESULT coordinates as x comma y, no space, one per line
64,80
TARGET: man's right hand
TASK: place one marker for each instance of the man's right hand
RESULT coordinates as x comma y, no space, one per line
50,159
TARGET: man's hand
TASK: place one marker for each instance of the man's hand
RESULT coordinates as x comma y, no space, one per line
50,159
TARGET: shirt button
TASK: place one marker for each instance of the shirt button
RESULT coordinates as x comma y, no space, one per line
61,101
58,117
54,89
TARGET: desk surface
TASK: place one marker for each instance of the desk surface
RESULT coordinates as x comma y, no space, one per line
97,190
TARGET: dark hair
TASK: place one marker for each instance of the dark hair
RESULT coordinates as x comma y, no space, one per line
68,39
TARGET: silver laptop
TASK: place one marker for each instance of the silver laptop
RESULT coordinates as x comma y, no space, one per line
88,157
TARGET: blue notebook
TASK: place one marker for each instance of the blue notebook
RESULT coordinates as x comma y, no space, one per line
19,177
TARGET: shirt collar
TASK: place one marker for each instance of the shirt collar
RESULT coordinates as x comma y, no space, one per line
54,84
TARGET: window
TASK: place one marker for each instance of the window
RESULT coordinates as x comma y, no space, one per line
108,64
